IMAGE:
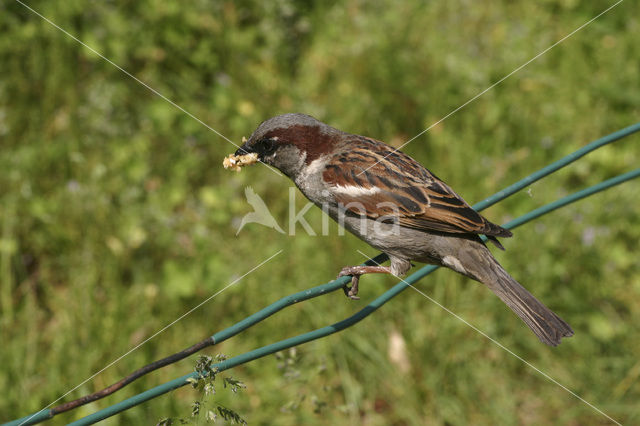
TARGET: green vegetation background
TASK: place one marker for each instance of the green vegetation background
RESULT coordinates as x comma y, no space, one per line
116,216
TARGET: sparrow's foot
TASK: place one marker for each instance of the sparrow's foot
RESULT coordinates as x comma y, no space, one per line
352,291
355,272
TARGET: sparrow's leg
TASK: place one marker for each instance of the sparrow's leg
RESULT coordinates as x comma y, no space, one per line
355,272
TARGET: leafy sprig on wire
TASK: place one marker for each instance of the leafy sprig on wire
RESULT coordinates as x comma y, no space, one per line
205,408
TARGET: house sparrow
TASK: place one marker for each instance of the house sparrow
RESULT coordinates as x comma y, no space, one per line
390,201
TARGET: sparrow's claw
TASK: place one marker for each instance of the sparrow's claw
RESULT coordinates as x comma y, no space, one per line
355,272
350,291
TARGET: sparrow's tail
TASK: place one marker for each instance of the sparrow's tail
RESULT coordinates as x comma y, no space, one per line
549,327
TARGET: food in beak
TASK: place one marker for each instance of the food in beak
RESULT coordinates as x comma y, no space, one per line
235,162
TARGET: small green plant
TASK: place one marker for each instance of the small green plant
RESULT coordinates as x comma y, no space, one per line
205,407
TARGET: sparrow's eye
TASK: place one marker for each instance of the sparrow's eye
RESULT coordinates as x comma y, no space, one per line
267,146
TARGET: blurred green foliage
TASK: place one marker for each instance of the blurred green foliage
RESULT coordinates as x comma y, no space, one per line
116,216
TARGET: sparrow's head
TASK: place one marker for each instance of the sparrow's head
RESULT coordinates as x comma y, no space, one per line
290,142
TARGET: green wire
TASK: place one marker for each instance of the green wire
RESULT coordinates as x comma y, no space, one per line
551,168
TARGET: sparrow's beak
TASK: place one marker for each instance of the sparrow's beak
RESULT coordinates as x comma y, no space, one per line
244,149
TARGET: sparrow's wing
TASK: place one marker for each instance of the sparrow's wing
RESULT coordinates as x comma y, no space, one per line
371,179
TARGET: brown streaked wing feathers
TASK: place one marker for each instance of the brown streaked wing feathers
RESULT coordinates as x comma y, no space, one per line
408,191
